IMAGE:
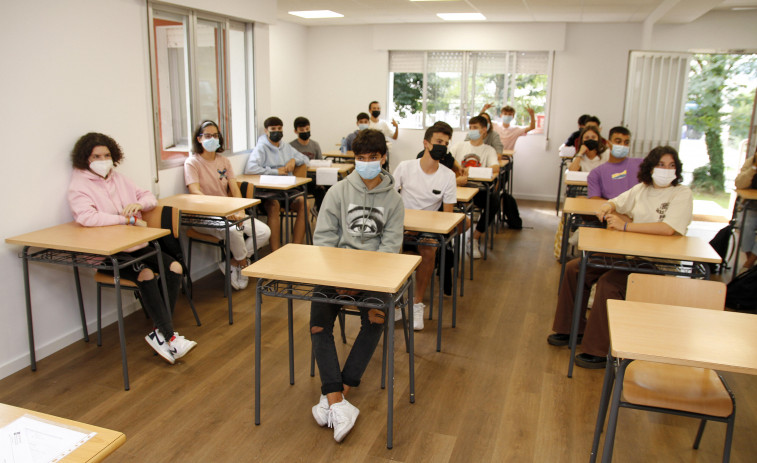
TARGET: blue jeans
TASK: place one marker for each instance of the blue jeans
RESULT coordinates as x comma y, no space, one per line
323,315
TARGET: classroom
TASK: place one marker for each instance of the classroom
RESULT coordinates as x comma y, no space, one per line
77,66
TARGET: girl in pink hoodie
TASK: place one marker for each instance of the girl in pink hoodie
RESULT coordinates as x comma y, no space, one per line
98,197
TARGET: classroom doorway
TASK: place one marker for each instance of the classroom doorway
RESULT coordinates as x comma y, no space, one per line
718,126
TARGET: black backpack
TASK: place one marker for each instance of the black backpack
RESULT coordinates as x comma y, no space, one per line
510,209
741,294
720,244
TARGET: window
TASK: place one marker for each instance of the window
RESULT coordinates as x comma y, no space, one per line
201,69
453,86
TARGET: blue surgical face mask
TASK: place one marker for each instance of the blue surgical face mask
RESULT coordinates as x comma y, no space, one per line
620,151
211,145
507,119
362,126
368,170
474,134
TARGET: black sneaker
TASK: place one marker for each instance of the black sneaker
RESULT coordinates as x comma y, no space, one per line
559,339
592,362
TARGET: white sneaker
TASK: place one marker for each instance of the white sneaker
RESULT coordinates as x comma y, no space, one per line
156,340
476,250
242,281
342,417
222,266
397,314
180,345
321,411
418,311
235,277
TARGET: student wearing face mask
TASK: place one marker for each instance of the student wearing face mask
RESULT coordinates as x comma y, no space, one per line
363,122
509,134
271,156
620,172
207,172
592,152
99,196
491,138
362,212
303,143
374,108
658,205
426,185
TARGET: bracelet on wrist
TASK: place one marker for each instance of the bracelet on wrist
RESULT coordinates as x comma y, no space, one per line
625,225
132,220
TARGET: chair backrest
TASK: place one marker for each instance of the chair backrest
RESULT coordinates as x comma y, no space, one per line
688,292
247,189
153,217
301,170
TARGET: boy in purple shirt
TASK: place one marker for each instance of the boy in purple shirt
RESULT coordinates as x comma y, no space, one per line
619,173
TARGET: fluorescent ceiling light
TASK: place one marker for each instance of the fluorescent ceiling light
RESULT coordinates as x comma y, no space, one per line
462,16
316,14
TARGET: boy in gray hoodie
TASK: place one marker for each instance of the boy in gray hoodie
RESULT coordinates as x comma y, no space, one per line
361,212
271,156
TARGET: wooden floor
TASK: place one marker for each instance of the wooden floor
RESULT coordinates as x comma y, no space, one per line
496,393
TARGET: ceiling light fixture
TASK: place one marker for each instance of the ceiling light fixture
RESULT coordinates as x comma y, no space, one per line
316,14
462,16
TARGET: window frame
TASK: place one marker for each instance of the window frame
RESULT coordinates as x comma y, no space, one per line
223,26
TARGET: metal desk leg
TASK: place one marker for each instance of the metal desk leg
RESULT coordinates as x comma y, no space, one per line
390,369
163,277
29,321
442,252
288,224
119,311
258,303
228,269
577,312
455,271
254,234
603,402
81,304
472,231
494,232
488,211
612,423
290,322
411,347
566,225
738,245
559,186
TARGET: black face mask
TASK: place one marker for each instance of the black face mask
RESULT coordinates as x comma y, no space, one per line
437,152
275,136
375,113
304,136
591,145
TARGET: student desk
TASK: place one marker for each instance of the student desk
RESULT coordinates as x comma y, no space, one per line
338,156
465,201
674,335
576,188
288,193
91,247
94,450
213,212
441,227
507,162
611,249
747,195
572,210
489,184
564,158
344,169
295,271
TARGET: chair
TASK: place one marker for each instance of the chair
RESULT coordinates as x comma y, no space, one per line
680,390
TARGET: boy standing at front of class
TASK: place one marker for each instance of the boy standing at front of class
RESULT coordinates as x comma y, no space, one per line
362,212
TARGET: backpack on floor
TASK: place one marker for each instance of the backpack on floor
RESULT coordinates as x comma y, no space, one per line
720,244
741,294
510,209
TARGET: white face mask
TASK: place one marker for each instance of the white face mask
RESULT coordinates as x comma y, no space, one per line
663,177
101,168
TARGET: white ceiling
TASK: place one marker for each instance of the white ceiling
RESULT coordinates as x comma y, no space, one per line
406,11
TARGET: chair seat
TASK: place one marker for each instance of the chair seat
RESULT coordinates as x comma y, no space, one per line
105,279
695,390
195,235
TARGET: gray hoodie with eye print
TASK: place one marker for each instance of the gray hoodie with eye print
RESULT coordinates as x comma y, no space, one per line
354,217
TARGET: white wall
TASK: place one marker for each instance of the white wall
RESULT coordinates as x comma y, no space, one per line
289,57
71,67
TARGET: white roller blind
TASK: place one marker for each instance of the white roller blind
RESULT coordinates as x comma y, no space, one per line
406,61
445,61
655,95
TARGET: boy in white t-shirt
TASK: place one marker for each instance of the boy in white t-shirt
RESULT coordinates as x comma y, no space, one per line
374,108
426,185
474,153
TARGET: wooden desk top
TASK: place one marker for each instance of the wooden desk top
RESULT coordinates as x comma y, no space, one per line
577,182
339,154
503,163
343,268
254,180
465,194
103,241
95,449
208,205
643,245
746,193
344,168
683,335
508,152
432,221
582,205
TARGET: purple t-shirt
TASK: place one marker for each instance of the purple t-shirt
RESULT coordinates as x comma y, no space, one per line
609,180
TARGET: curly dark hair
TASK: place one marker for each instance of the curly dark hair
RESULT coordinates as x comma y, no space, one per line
197,146
651,161
580,139
84,146
369,141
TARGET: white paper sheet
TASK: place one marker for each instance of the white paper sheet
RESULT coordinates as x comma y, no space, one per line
320,163
326,176
576,176
480,172
29,439
277,179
